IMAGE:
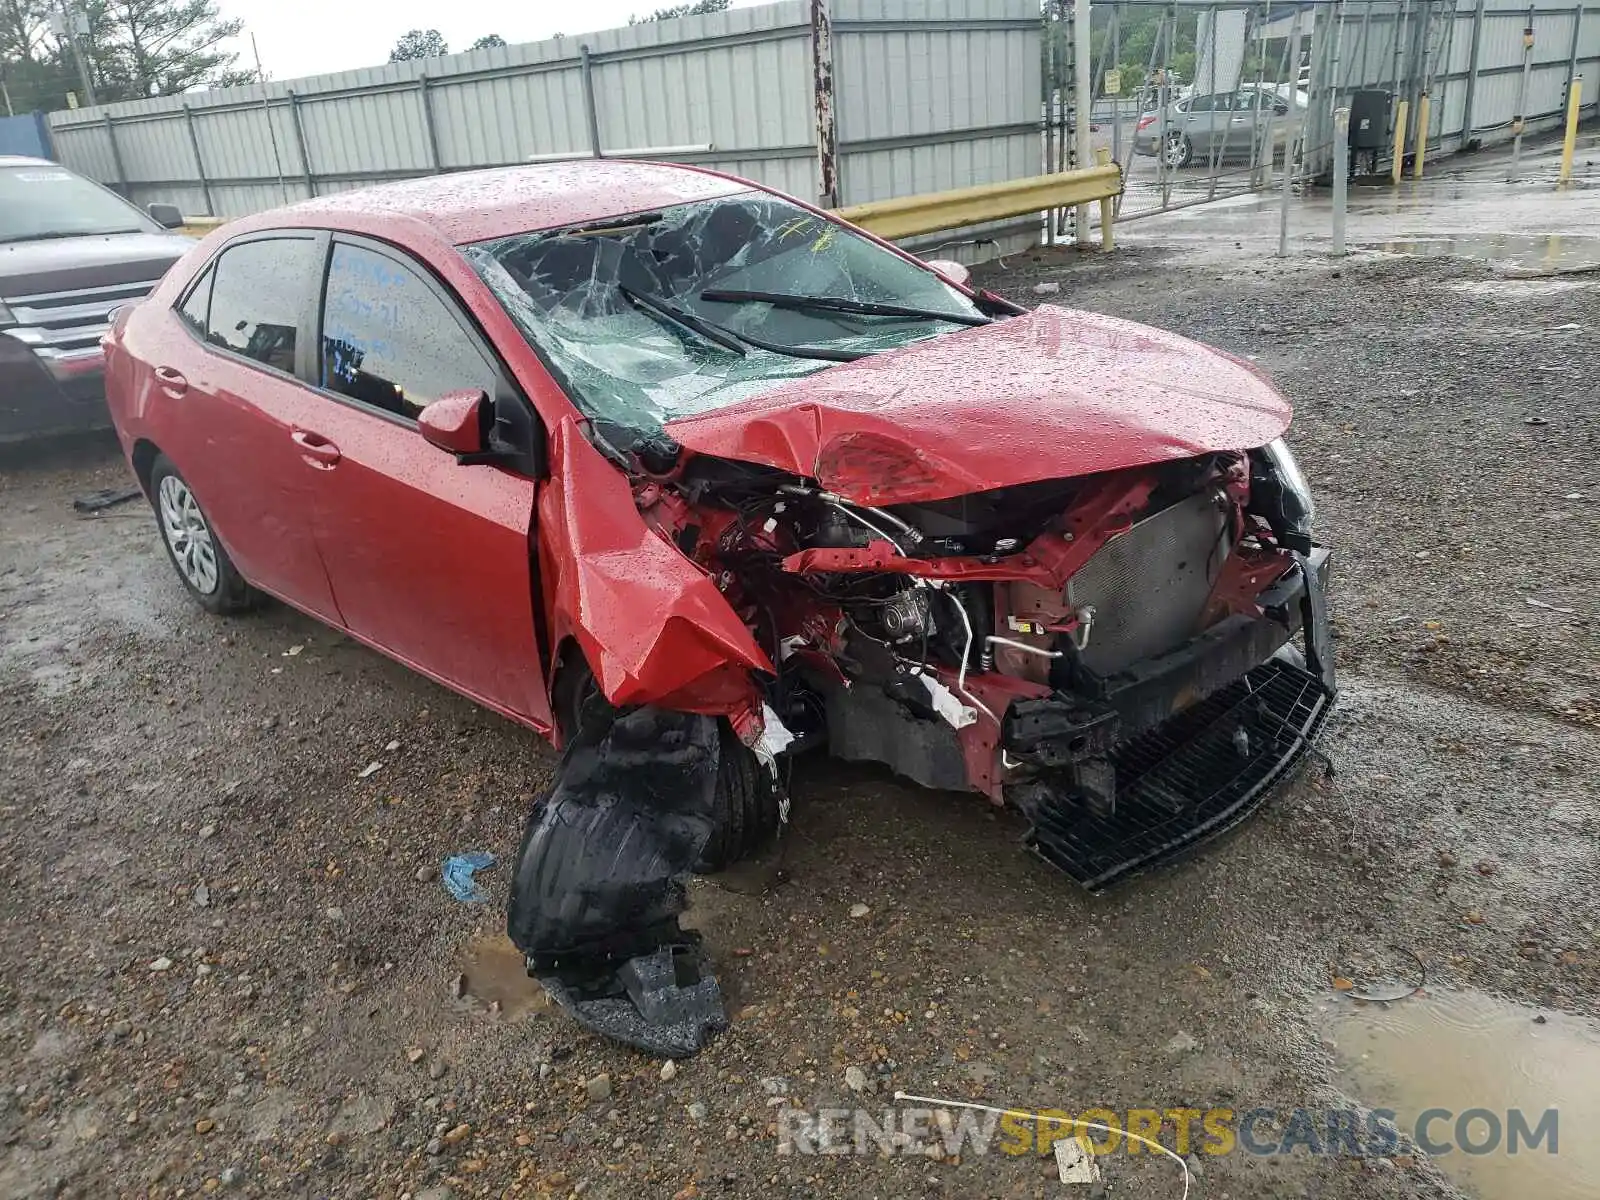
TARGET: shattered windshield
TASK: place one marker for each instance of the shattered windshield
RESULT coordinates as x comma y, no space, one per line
666,314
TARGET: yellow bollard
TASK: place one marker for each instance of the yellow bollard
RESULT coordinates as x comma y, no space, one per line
1401,111
1570,145
1422,135
1108,241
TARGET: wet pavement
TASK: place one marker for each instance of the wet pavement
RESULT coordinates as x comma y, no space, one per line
1466,206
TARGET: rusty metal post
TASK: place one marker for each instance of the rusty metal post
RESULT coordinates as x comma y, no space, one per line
591,110
300,142
1082,99
199,163
1472,72
1261,86
822,99
1521,119
116,158
428,126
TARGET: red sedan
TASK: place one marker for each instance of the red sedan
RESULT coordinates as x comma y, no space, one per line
586,437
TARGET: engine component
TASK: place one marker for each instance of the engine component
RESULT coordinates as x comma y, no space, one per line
1148,587
906,615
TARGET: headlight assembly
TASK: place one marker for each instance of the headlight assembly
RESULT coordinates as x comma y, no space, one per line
1279,492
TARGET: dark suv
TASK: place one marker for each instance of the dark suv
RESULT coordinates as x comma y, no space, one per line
71,254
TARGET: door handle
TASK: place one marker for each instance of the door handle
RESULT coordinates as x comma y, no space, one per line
171,381
316,449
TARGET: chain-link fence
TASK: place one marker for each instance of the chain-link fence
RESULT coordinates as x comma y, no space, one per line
1201,100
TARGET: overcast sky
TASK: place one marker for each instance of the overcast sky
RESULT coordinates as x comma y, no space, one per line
312,37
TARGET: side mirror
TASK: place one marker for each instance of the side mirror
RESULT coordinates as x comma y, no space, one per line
951,270
456,422
167,216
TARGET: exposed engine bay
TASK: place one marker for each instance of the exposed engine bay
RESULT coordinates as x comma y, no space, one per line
943,637
1108,654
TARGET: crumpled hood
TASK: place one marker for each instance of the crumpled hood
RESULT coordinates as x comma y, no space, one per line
1049,395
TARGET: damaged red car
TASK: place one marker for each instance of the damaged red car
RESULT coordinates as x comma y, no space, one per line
690,476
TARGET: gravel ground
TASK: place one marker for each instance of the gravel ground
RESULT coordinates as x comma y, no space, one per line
230,965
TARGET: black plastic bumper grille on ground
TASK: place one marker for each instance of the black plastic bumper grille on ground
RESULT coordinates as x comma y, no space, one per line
1189,779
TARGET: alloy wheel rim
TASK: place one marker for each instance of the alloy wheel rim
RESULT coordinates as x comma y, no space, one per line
1174,149
188,536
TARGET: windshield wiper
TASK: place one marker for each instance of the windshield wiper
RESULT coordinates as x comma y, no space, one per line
65,233
827,354
844,304
667,311
730,339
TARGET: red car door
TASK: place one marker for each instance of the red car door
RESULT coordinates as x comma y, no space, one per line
431,560
230,409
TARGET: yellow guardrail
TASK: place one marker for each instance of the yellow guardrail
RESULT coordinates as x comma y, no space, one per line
198,227
935,211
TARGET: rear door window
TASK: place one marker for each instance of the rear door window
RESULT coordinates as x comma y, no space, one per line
261,293
196,310
389,339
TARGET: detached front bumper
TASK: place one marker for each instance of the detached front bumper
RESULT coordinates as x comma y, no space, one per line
1182,747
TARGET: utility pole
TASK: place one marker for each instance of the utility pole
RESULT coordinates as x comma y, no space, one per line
69,30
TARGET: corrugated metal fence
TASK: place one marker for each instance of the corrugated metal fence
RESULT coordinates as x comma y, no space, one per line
1471,57
926,95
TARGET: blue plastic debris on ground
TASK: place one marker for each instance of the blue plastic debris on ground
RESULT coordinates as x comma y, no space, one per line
457,876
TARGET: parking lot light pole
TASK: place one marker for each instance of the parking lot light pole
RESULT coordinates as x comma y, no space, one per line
1341,176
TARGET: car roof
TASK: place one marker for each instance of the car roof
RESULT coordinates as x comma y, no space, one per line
470,206
22,160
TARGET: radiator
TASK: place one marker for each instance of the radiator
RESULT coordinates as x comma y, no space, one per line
1148,586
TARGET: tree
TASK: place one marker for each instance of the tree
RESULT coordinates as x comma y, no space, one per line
488,41
133,48
419,43
683,10
163,47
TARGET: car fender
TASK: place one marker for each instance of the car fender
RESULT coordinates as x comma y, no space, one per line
652,625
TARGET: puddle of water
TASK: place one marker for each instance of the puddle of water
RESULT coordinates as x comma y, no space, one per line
1465,1050
1517,289
1531,252
496,972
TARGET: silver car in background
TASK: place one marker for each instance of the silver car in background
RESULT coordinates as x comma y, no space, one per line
1221,125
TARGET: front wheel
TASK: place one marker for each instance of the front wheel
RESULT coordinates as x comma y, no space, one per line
1179,151
197,555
